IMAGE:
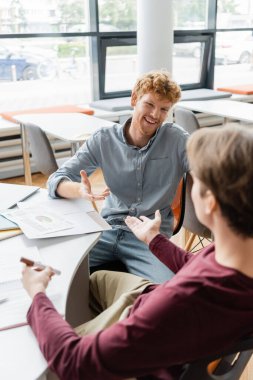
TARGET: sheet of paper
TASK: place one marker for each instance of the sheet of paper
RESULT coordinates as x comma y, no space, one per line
83,224
14,309
10,266
56,217
6,224
38,221
79,212
11,194
64,206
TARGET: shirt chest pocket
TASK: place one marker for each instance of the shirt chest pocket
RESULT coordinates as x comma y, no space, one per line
157,170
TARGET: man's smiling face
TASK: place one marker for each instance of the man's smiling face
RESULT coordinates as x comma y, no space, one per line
149,113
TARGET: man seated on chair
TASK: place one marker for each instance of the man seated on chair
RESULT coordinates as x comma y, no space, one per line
149,331
142,162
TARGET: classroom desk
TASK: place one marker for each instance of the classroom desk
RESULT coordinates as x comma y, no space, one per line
72,127
229,109
20,356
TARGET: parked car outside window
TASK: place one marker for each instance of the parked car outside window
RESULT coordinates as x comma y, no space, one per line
234,48
24,64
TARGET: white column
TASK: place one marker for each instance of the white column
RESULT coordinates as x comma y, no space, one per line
154,35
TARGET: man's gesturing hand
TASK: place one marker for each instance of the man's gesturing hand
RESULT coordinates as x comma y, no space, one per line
145,229
85,189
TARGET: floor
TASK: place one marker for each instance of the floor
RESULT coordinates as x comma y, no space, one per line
97,182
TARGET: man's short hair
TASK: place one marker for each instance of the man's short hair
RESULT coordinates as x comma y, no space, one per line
160,83
221,158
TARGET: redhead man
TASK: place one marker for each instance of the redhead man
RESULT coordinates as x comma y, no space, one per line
142,162
149,331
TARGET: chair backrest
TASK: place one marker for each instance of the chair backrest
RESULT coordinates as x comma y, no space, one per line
186,119
40,147
190,221
178,205
230,363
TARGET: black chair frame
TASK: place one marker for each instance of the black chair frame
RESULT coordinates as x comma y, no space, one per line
230,367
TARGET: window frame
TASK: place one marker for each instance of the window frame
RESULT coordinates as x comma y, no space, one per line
207,68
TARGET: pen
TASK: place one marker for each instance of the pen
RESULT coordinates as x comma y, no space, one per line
2,300
37,264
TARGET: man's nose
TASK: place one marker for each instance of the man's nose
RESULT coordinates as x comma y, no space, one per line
155,113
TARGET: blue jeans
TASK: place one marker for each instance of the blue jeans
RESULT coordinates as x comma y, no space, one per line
118,244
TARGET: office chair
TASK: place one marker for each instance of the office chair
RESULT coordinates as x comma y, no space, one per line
186,119
40,147
191,222
227,365
178,205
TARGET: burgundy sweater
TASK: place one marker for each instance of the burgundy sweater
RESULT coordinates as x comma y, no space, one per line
204,308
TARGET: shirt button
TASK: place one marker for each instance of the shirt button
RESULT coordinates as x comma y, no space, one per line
138,199
139,184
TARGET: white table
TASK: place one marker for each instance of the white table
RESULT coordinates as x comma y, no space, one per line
229,109
20,357
72,127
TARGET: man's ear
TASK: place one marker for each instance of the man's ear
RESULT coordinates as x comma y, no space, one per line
210,202
133,99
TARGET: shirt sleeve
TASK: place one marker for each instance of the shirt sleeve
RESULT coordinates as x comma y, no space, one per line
168,253
67,354
144,343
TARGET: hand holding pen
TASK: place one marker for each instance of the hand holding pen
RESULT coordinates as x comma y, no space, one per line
36,281
38,265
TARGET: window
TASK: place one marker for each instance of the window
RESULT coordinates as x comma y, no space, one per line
191,60
44,71
233,58
44,53
235,14
117,15
36,16
190,14
62,44
118,63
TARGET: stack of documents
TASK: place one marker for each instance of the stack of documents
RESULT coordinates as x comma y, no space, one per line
56,217
9,196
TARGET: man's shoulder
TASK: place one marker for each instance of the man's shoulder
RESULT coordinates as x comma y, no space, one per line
108,132
174,129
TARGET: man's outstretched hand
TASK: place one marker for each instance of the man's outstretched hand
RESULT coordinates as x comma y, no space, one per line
86,192
145,229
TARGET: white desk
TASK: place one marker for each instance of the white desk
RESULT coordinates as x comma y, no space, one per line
20,357
72,127
229,109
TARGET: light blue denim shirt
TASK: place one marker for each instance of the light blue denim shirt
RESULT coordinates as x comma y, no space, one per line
141,180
